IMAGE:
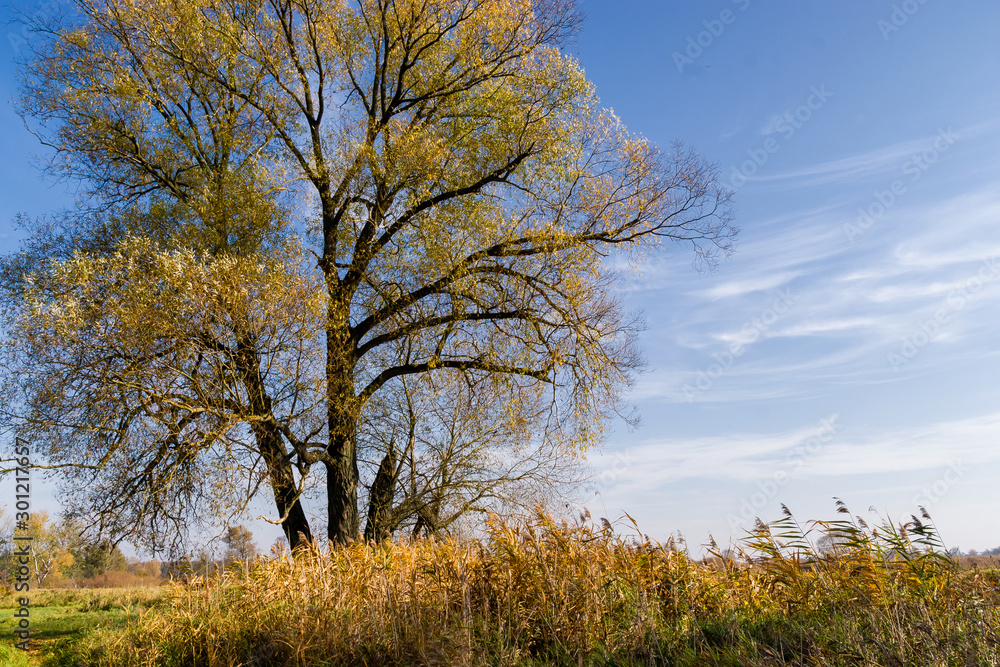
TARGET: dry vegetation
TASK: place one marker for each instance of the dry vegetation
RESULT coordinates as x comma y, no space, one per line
557,594
981,562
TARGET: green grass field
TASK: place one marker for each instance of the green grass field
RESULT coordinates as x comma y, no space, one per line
59,617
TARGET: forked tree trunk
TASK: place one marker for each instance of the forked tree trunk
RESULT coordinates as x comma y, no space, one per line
380,525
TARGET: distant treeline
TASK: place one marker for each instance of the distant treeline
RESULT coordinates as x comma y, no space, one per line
62,556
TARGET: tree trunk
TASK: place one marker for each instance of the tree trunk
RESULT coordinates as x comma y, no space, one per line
272,449
342,493
342,473
294,522
342,470
342,418
379,525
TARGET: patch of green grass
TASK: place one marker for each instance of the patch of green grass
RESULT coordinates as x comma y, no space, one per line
91,598
13,657
63,615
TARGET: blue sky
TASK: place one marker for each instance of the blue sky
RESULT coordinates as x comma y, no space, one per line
850,347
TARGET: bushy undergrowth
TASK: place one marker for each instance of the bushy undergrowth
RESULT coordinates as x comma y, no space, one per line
118,580
549,593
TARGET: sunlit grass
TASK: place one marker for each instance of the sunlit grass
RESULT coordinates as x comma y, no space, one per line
12,657
557,594
63,615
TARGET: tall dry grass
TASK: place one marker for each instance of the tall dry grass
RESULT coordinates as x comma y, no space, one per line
558,594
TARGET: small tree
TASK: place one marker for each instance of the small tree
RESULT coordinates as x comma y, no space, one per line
240,545
149,568
6,546
51,546
180,375
101,557
453,449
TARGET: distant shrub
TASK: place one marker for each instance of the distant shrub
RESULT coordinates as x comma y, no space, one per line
116,579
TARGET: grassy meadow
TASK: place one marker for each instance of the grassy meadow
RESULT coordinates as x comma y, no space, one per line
60,616
551,593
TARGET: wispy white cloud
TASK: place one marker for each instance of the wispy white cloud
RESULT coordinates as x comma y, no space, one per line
748,285
892,293
773,125
853,304
802,452
865,165
730,132
851,168
824,327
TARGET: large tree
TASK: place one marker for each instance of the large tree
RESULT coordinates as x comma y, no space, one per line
459,184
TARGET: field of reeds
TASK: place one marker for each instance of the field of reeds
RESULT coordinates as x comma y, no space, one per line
554,593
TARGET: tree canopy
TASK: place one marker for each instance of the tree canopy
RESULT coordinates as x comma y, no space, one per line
293,207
